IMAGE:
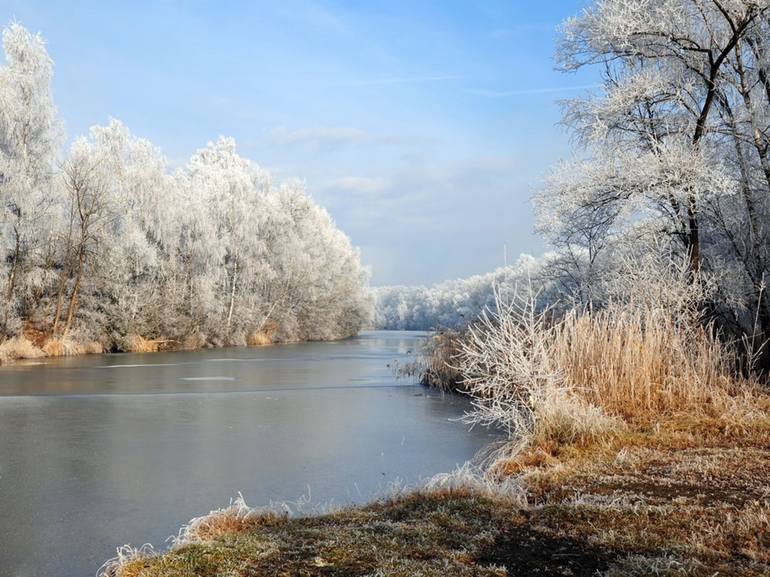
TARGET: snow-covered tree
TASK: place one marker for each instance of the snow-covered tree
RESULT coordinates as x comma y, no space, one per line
677,146
107,245
456,303
29,136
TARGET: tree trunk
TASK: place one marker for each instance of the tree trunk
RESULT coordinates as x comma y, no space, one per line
12,278
59,301
692,240
232,297
75,289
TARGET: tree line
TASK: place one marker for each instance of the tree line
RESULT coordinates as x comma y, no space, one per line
104,243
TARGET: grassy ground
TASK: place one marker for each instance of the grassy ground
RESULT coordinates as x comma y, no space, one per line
685,498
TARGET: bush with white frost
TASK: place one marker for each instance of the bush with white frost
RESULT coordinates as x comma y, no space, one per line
580,376
510,367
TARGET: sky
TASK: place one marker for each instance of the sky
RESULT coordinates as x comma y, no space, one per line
424,128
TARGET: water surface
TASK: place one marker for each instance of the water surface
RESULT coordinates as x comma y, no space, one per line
103,450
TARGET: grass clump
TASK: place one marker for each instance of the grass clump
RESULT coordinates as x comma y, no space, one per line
19,347
438,368
427,533
589,376
67,347
644,363
139,344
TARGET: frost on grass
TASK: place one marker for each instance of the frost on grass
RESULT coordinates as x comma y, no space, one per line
511,371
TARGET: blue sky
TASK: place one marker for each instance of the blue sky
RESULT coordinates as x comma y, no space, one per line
423,127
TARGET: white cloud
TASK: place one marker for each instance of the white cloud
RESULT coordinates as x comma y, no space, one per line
359,185
333,137
317,136
530,91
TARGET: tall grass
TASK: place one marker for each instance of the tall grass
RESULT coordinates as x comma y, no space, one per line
642,364
590,374
138,344
437,366
68,347
21,347
18,348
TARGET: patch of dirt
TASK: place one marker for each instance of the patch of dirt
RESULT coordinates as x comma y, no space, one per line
524,551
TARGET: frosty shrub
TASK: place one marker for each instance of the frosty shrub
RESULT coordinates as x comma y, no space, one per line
585,374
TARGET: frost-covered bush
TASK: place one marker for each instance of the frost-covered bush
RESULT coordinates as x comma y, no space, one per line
583,375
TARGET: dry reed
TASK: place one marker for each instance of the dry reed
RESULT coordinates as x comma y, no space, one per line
19,348
138,344
438,367
61,347
592,374
262,336
643,364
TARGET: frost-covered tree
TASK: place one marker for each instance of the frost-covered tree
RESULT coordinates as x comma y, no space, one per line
677,149
455,304
228,231
29,135
107,245
667,64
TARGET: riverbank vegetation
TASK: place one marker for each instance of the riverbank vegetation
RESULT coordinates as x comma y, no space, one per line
637,446
628,366
688,498
102,247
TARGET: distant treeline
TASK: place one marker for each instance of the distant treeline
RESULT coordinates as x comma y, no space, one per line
450,304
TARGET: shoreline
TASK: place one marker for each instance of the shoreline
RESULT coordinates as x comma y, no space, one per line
679,502
17,349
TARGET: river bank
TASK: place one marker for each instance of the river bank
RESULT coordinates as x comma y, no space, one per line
635,448
679,500
35,345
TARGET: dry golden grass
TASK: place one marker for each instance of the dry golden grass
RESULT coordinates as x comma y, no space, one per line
61,347
22,348
91,348
19,348
642,364
262,337
686,495
138,344
194,341
614,381
258,339
591,376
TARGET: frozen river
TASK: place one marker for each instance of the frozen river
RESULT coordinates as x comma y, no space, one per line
104,450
